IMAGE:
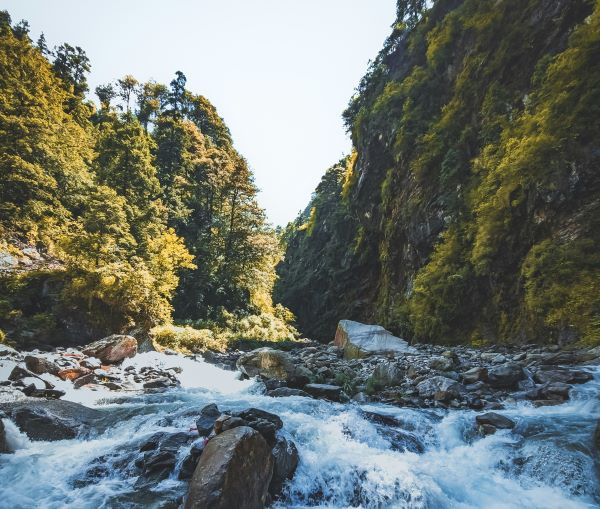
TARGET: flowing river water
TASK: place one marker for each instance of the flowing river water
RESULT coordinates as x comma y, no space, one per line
360,456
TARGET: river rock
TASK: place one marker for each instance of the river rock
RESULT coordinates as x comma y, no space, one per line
271,363
441,363
491,421
505,376
568,376
475,375
208,415
286,461
112,349
286,392
39,365
439,387
597,437
388,373
331,392
234,470
4,449
361,340
72,374
51,420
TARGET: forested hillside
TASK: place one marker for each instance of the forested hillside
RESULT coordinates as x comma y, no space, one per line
469,209
113,218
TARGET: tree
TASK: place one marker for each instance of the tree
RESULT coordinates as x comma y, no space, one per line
127,87
106,93
71,64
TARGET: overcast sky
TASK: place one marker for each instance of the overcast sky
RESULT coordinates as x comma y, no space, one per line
280,72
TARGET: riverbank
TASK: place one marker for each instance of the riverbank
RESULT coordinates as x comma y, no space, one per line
387,447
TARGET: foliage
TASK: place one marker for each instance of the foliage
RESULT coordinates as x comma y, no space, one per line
131,207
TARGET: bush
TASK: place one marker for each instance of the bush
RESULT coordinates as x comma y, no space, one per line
187,338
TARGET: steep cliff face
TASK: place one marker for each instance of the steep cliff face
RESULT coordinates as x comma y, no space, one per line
470,208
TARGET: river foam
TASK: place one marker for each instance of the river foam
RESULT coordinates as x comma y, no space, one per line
350,457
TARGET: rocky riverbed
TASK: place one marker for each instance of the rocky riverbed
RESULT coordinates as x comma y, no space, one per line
315,426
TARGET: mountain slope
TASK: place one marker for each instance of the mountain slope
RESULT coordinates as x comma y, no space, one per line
473,194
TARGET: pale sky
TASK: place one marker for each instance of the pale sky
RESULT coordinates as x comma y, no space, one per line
280,72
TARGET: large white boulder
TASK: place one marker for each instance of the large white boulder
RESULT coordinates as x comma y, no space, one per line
360,340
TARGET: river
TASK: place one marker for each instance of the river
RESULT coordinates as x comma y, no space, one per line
360,456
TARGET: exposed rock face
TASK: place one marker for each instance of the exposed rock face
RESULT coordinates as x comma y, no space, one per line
271,363
51,420
360,340
112,349
235,470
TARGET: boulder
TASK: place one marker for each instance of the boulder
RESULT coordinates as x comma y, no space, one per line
271,363
475,375
441,363
72,373
505,376
567,376
597,437
4,448
26,378
361,340
51,420
112,349
286,392
160,456
388,373
331,392
286,461
234,470
208,415
439,387
491,421
39,365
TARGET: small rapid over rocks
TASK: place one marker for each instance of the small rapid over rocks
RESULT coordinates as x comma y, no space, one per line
134,450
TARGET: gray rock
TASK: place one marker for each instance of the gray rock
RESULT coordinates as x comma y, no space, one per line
441,364
388,373
208,415
286,461
271,363
4,448
496,420
52,419
505,376
439,387
568,376
331,392
361,340
39,365
234,470
474,375
286,392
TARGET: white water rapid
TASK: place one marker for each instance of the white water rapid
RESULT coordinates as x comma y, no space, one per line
359,456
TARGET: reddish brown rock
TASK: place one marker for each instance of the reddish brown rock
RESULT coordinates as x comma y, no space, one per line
112,349
72,373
